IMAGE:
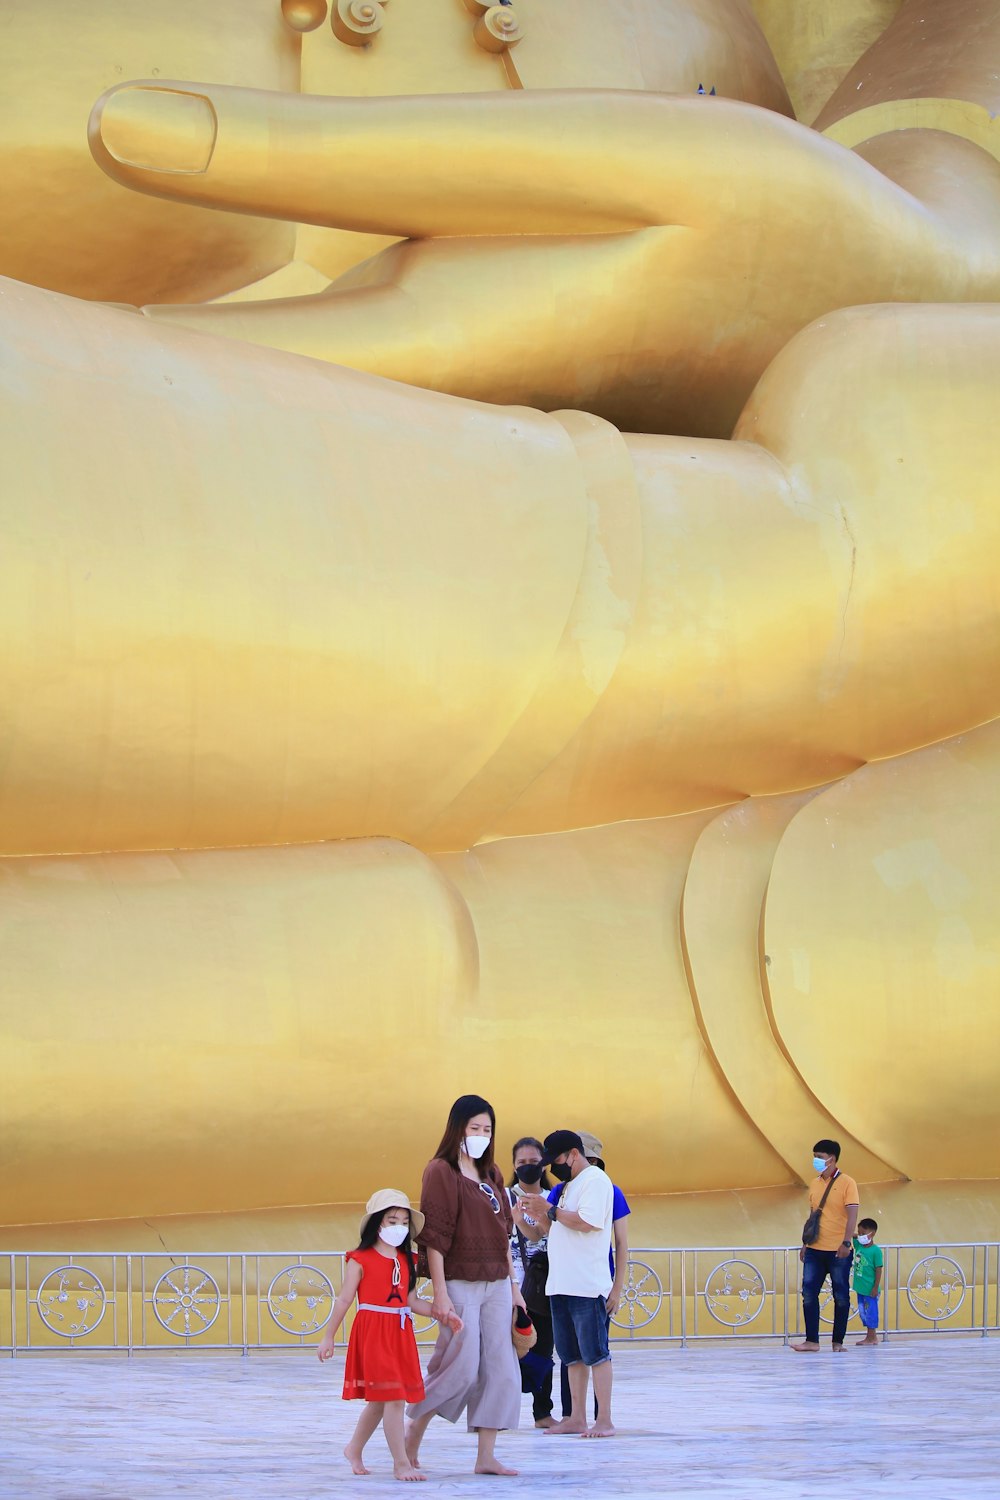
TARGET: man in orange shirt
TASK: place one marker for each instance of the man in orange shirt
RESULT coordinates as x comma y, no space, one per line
830,1251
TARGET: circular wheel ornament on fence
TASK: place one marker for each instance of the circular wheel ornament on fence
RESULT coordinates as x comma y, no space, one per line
641,1297
936,1288
734,1293
300,1299
826,1308
186,1301
71,1301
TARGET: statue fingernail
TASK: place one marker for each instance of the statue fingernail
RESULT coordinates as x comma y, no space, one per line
159,130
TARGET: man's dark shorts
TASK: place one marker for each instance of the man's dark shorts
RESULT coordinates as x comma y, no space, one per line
580,1326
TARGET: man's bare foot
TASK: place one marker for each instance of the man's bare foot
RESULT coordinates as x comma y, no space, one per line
805,1348
407,1471
599,1429
353,1457
493,1466
568,1427
544,1422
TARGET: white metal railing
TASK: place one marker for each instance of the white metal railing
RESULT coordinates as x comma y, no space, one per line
132,1301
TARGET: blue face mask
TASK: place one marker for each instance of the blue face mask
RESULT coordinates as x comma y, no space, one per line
820,1163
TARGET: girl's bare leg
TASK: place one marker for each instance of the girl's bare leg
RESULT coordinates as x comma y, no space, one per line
369,1419
392,1426
486,1460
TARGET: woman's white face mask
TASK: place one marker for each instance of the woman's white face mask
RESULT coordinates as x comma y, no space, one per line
476,1145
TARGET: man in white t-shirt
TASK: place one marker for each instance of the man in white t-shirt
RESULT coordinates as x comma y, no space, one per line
580,1230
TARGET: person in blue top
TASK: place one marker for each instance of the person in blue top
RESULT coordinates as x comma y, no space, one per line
593,1149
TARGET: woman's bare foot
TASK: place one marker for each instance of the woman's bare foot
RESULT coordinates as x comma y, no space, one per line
493,1466
599,1429
406,1471
568,1427
412,1443
353,1456
805,1348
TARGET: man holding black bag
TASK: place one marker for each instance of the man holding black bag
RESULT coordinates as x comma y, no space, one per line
827,1245
531,1266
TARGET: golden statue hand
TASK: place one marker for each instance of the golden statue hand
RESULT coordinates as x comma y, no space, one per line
640,256
372,609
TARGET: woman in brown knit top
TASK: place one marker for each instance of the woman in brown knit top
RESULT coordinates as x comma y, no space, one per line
467,1239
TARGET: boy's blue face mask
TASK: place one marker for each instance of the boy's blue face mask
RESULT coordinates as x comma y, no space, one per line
820,1163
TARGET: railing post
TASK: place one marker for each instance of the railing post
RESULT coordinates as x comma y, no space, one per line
684,1299
244,1309
128,1304
784,1296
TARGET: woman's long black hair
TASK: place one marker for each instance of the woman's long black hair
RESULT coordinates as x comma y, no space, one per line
461,1112
544,1182
370,1234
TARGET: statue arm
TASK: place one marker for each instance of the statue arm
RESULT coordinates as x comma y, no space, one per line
275,575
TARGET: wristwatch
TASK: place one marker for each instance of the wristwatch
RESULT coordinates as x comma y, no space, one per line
551,1211
847,1243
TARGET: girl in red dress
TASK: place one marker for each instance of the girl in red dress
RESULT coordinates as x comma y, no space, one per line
383,1368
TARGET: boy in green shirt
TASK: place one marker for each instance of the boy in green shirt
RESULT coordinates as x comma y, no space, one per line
868,1260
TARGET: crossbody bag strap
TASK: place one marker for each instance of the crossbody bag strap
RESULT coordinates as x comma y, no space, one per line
822,1201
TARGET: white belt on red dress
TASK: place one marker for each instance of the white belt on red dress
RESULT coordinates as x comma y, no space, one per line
402,1312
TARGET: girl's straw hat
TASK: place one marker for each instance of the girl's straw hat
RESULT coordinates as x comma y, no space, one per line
392,1198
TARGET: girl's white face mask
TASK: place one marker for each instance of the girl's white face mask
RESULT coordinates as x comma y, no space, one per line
476,1145
394,1234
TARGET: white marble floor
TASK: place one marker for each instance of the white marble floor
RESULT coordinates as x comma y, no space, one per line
916,1417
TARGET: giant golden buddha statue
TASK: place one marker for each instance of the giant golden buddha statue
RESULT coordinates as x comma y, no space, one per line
601,711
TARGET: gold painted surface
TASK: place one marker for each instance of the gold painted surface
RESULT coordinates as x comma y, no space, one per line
216,1031
256,601
953,117
946,50
64,227
723,899
428,48
598,911
205,1032
816,45
148,994
534,660
62,223
631,225
907,1212
882,914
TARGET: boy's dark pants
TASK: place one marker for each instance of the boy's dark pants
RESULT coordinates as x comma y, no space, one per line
816,1267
